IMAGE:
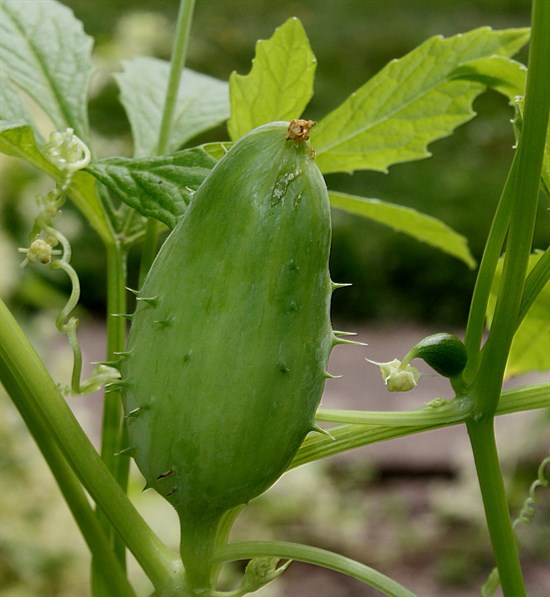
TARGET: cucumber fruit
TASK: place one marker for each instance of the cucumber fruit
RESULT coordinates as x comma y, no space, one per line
227,353
443,352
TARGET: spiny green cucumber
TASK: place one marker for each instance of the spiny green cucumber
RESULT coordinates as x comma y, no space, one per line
229,345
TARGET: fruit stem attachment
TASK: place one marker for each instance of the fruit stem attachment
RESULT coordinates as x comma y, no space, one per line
197,546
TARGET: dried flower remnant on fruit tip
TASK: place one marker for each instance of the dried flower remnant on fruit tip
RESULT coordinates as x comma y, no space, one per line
298,130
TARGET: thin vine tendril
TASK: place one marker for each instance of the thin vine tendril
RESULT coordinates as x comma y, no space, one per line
69,154
524,517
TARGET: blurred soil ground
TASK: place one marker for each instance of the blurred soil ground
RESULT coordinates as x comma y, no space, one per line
409,507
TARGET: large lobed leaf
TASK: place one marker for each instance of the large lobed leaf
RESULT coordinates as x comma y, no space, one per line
410,103
530,347
280,83
420,226
158,187
202,103
497,72
45,52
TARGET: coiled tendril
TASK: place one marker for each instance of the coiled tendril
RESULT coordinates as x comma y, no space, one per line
524,517
69,154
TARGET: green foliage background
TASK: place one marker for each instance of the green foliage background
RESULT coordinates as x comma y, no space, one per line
352,39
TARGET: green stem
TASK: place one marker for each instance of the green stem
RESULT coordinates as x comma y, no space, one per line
487,381
198,543
179,53
116,581
526,187
312,555
33,391
112,436
349,437
482,439
484,282
454,411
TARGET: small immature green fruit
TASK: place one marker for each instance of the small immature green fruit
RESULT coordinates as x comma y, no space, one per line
227,391
443,352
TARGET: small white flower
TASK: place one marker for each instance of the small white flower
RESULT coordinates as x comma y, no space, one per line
39,250
397,376
66,151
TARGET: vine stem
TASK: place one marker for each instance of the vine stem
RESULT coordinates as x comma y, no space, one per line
486,387
69,485
312,555
525,190
362,431
34,393
179,53
497,514
113,434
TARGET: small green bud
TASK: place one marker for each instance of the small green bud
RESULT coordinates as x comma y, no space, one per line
39,250
261,571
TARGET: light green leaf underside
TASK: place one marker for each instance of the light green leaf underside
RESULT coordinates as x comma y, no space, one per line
18,140
529,351
12,108
410,103
203,103
160,187
497,72
46,53
407,220
280,83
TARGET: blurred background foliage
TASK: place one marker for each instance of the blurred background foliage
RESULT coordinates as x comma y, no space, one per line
352,39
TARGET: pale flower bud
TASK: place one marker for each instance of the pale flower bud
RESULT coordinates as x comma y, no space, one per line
397,376
66,151
39,250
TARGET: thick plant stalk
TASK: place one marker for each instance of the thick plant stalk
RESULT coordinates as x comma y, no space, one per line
69,485
487,385
34,392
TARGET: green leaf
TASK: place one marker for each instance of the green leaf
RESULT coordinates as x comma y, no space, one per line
12,108
160,187
407,220
18,140
410,103
45,52
497,72
529,351
280,83
203,103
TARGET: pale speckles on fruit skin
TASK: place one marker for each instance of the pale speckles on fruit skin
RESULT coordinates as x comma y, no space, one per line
282,185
